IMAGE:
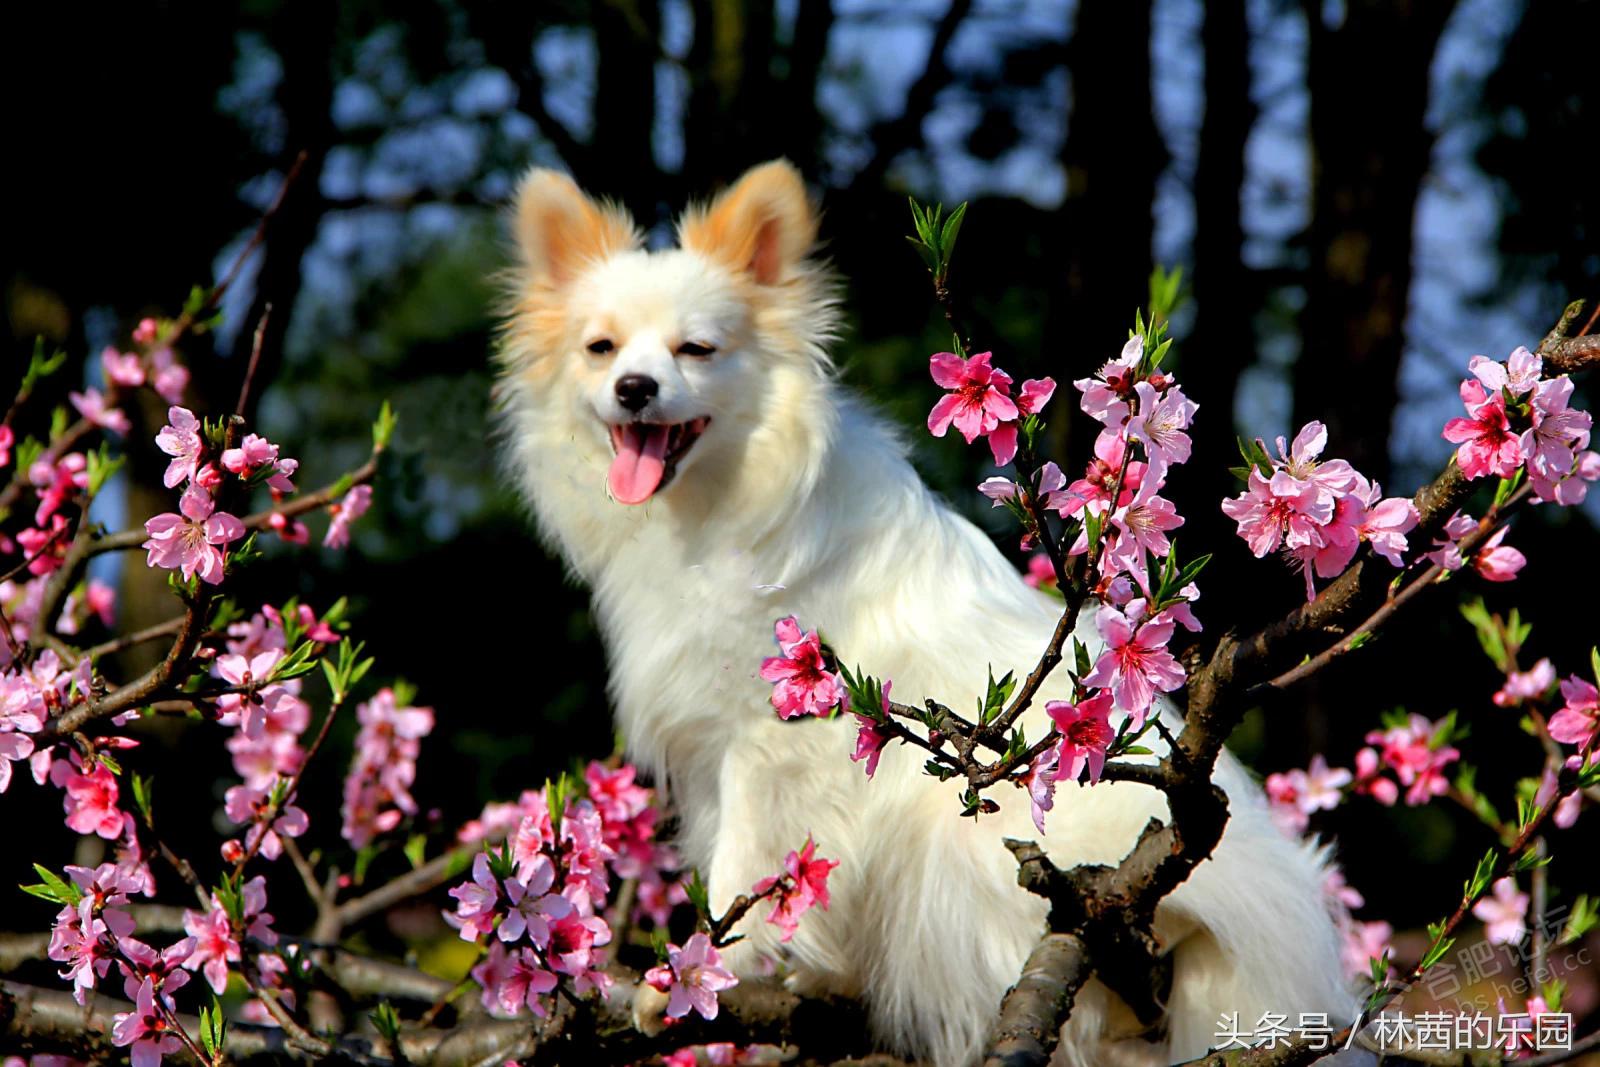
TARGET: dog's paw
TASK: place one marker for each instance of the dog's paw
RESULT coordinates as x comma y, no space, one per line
649,1010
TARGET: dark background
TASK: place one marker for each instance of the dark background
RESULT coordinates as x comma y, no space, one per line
1365,194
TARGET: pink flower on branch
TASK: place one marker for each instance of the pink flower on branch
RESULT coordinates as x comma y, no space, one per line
692,977
352,507
1505,914
803,884
1579,719
1526,685
872,735
1488,446
124,369
1136,664
1085,729
95,407
978,402
181,440
802,683
193,541
144,1030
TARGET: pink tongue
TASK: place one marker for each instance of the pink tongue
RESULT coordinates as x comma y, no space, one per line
637,470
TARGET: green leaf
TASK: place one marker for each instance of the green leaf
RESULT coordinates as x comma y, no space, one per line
143,794
213,1028
64,892
952,227
1481,876
383,428
695,889
416,849
1436,952
1585,915
385,1020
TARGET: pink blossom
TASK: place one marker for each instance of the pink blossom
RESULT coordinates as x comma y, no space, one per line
1160,423
1518,375
191,542
45,549
1496,562
586,856
573,940
802,684
1558,432
871,735
1031,399
1094,488
1301,462
146,331
251,807
1049,489
1278,511
513,980
145,1029
803,884
1041,573
978,403
1487,444
1337,889
1140,527
57,482
256,453
1505,914
1571,489
91,802
8,438
79,939
692,977
1365,942
95,407
477,901
121,369
1579,719
171,377
352,507
1136,663
1384,522
1104,394
163,970
181,440
1040,782
530,905
1526,685
215,945
1297,794
1418,757
1085,730
377,791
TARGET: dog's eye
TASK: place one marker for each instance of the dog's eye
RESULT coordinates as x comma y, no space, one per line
691,348
602,346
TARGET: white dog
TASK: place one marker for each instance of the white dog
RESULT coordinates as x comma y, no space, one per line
674,420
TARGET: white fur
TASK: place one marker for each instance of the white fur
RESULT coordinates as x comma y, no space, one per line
800,500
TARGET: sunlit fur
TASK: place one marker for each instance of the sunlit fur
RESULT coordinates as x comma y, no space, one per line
799,500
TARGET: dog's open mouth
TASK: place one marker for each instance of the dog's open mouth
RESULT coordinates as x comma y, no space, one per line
647,455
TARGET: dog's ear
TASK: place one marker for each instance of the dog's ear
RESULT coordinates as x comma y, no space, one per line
559,229
764,224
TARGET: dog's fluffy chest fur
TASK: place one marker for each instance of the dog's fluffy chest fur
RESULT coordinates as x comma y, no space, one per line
799,500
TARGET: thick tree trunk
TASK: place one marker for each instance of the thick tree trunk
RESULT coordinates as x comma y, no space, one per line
1369,97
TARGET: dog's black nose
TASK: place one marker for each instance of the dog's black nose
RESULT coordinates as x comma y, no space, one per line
635,390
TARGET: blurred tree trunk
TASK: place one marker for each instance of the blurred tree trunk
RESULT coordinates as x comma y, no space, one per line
306,33
1222,342
621,149
1370,150
1098,242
